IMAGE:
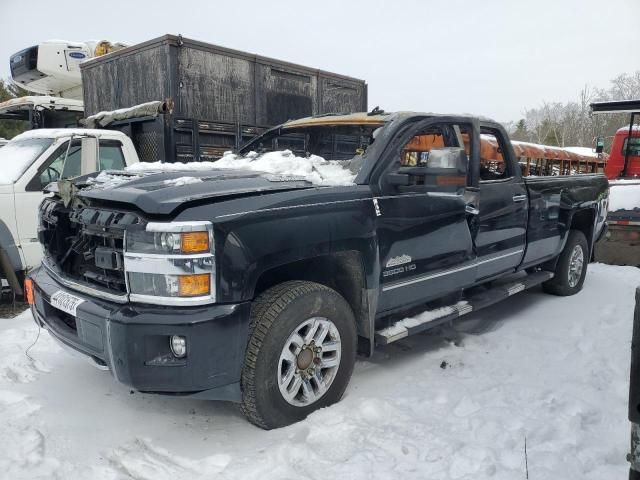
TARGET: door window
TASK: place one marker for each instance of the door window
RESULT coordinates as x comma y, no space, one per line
493,165
633,146
435,158
60,165
111,156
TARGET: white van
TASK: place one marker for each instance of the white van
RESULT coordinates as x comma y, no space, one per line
28,163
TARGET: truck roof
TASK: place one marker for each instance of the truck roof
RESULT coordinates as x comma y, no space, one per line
369,118
635,131
360,118
67,132
44,101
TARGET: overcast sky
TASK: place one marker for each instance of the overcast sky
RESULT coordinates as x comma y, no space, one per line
489,57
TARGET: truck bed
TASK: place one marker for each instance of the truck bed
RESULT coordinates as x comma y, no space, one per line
622,244
552,201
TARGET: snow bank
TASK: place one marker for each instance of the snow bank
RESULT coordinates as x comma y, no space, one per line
15,366
314,169
457,404
624,195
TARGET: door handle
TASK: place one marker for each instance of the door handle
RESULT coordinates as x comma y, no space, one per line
471,210
519,198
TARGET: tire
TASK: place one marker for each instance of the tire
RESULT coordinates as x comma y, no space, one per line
269,400
565,282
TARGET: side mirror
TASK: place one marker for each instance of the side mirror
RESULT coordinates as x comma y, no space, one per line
599,145
400,179
442,169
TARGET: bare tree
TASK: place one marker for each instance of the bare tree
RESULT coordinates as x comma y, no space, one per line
570,123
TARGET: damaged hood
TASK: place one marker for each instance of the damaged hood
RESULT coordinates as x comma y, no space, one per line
162,192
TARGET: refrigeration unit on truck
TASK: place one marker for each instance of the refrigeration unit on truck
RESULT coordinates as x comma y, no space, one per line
52,71
260,288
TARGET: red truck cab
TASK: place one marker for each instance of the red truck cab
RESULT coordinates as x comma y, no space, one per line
615,165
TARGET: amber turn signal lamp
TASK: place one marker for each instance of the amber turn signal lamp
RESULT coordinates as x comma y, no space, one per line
194,242
194,285
28,291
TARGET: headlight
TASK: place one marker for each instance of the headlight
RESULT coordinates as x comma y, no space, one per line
171,263
168,242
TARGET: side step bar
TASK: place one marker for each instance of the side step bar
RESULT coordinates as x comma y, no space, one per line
476,300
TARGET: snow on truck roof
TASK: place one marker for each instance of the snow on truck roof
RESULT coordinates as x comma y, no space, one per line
634,130
584,151
66,132
44,101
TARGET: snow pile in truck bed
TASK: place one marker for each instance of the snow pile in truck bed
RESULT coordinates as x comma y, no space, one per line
624,195
314,169
448,405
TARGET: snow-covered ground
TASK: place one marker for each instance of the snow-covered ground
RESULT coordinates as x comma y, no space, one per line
551,370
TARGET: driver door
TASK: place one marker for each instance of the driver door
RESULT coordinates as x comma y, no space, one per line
424,216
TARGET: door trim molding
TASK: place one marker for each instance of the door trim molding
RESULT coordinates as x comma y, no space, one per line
441,273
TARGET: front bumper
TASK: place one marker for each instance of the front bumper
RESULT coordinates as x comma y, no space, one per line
132,341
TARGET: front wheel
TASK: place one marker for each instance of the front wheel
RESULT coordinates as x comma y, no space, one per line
300,354
571,268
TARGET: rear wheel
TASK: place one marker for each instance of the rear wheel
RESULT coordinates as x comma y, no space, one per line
571,268
300,355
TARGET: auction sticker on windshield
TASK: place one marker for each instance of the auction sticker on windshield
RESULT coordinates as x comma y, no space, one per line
66,302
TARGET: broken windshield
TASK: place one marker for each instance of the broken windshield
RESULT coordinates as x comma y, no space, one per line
342,145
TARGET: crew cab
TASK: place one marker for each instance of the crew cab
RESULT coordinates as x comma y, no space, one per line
28,163
261,288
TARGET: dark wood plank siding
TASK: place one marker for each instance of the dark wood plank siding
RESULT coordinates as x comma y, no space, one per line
339,95
216,87
284,93
125,81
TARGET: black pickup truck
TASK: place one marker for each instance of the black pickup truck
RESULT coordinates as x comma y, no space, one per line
261,289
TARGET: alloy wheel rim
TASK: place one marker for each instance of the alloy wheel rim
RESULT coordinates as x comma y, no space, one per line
309,361
576,264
